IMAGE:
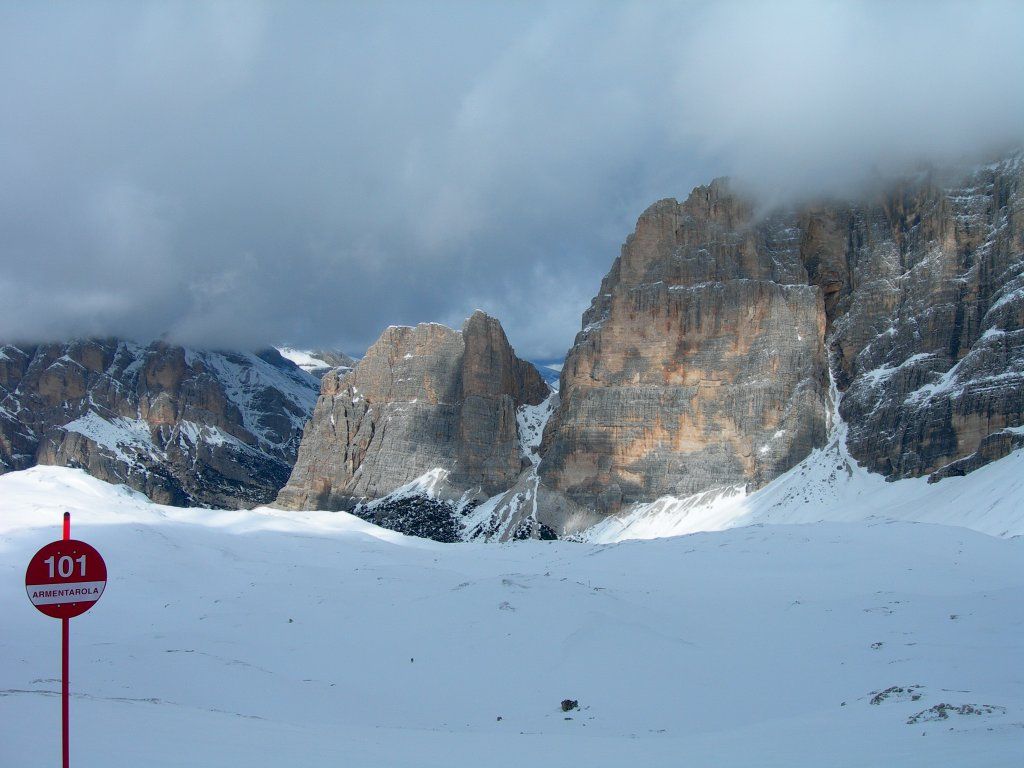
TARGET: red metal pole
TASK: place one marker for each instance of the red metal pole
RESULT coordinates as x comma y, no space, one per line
65,625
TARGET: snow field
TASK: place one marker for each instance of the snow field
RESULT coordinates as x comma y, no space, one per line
271,638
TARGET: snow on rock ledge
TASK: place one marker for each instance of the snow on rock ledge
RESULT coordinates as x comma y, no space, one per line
184,426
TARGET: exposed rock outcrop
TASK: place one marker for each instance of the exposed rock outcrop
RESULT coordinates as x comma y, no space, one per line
927,316
702,360
183,426
423,399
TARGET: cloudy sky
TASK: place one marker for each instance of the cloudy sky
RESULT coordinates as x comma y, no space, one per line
237,174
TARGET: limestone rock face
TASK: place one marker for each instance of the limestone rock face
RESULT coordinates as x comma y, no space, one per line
927,319
183,426
422,399
701,362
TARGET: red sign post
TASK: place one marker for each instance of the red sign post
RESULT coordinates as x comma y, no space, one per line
64,579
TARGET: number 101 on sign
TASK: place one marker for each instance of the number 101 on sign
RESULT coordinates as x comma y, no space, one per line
66,566
65,578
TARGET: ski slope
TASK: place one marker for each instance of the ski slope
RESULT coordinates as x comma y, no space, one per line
273,638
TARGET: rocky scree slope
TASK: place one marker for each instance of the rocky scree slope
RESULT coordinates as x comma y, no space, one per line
184,426
703,360
428,409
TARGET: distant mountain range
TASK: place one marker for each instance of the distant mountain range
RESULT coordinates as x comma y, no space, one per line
184,426
318,361
725,346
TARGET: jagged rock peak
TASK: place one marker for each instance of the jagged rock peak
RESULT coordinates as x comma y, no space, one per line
702,363
184,426
424,398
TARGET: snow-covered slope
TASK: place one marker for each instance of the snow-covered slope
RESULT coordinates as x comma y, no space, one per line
318,361
273,638
829,485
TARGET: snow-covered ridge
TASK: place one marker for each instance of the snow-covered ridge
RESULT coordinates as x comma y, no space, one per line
317,362
125,438
28,494
246,379
302,358
431,483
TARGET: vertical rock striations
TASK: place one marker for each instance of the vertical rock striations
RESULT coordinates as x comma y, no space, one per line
427,403
701,362
183,426
925,289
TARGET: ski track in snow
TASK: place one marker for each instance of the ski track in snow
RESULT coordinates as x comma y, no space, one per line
270,638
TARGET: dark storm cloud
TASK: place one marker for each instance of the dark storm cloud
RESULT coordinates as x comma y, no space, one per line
233,174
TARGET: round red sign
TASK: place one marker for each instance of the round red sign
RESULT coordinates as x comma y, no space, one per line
65,578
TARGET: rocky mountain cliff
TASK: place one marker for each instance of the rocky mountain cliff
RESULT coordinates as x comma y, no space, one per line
704,358
926,294
427,401
183,426
701,363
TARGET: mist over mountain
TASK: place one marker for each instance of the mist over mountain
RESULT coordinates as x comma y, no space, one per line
536,382
241,174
